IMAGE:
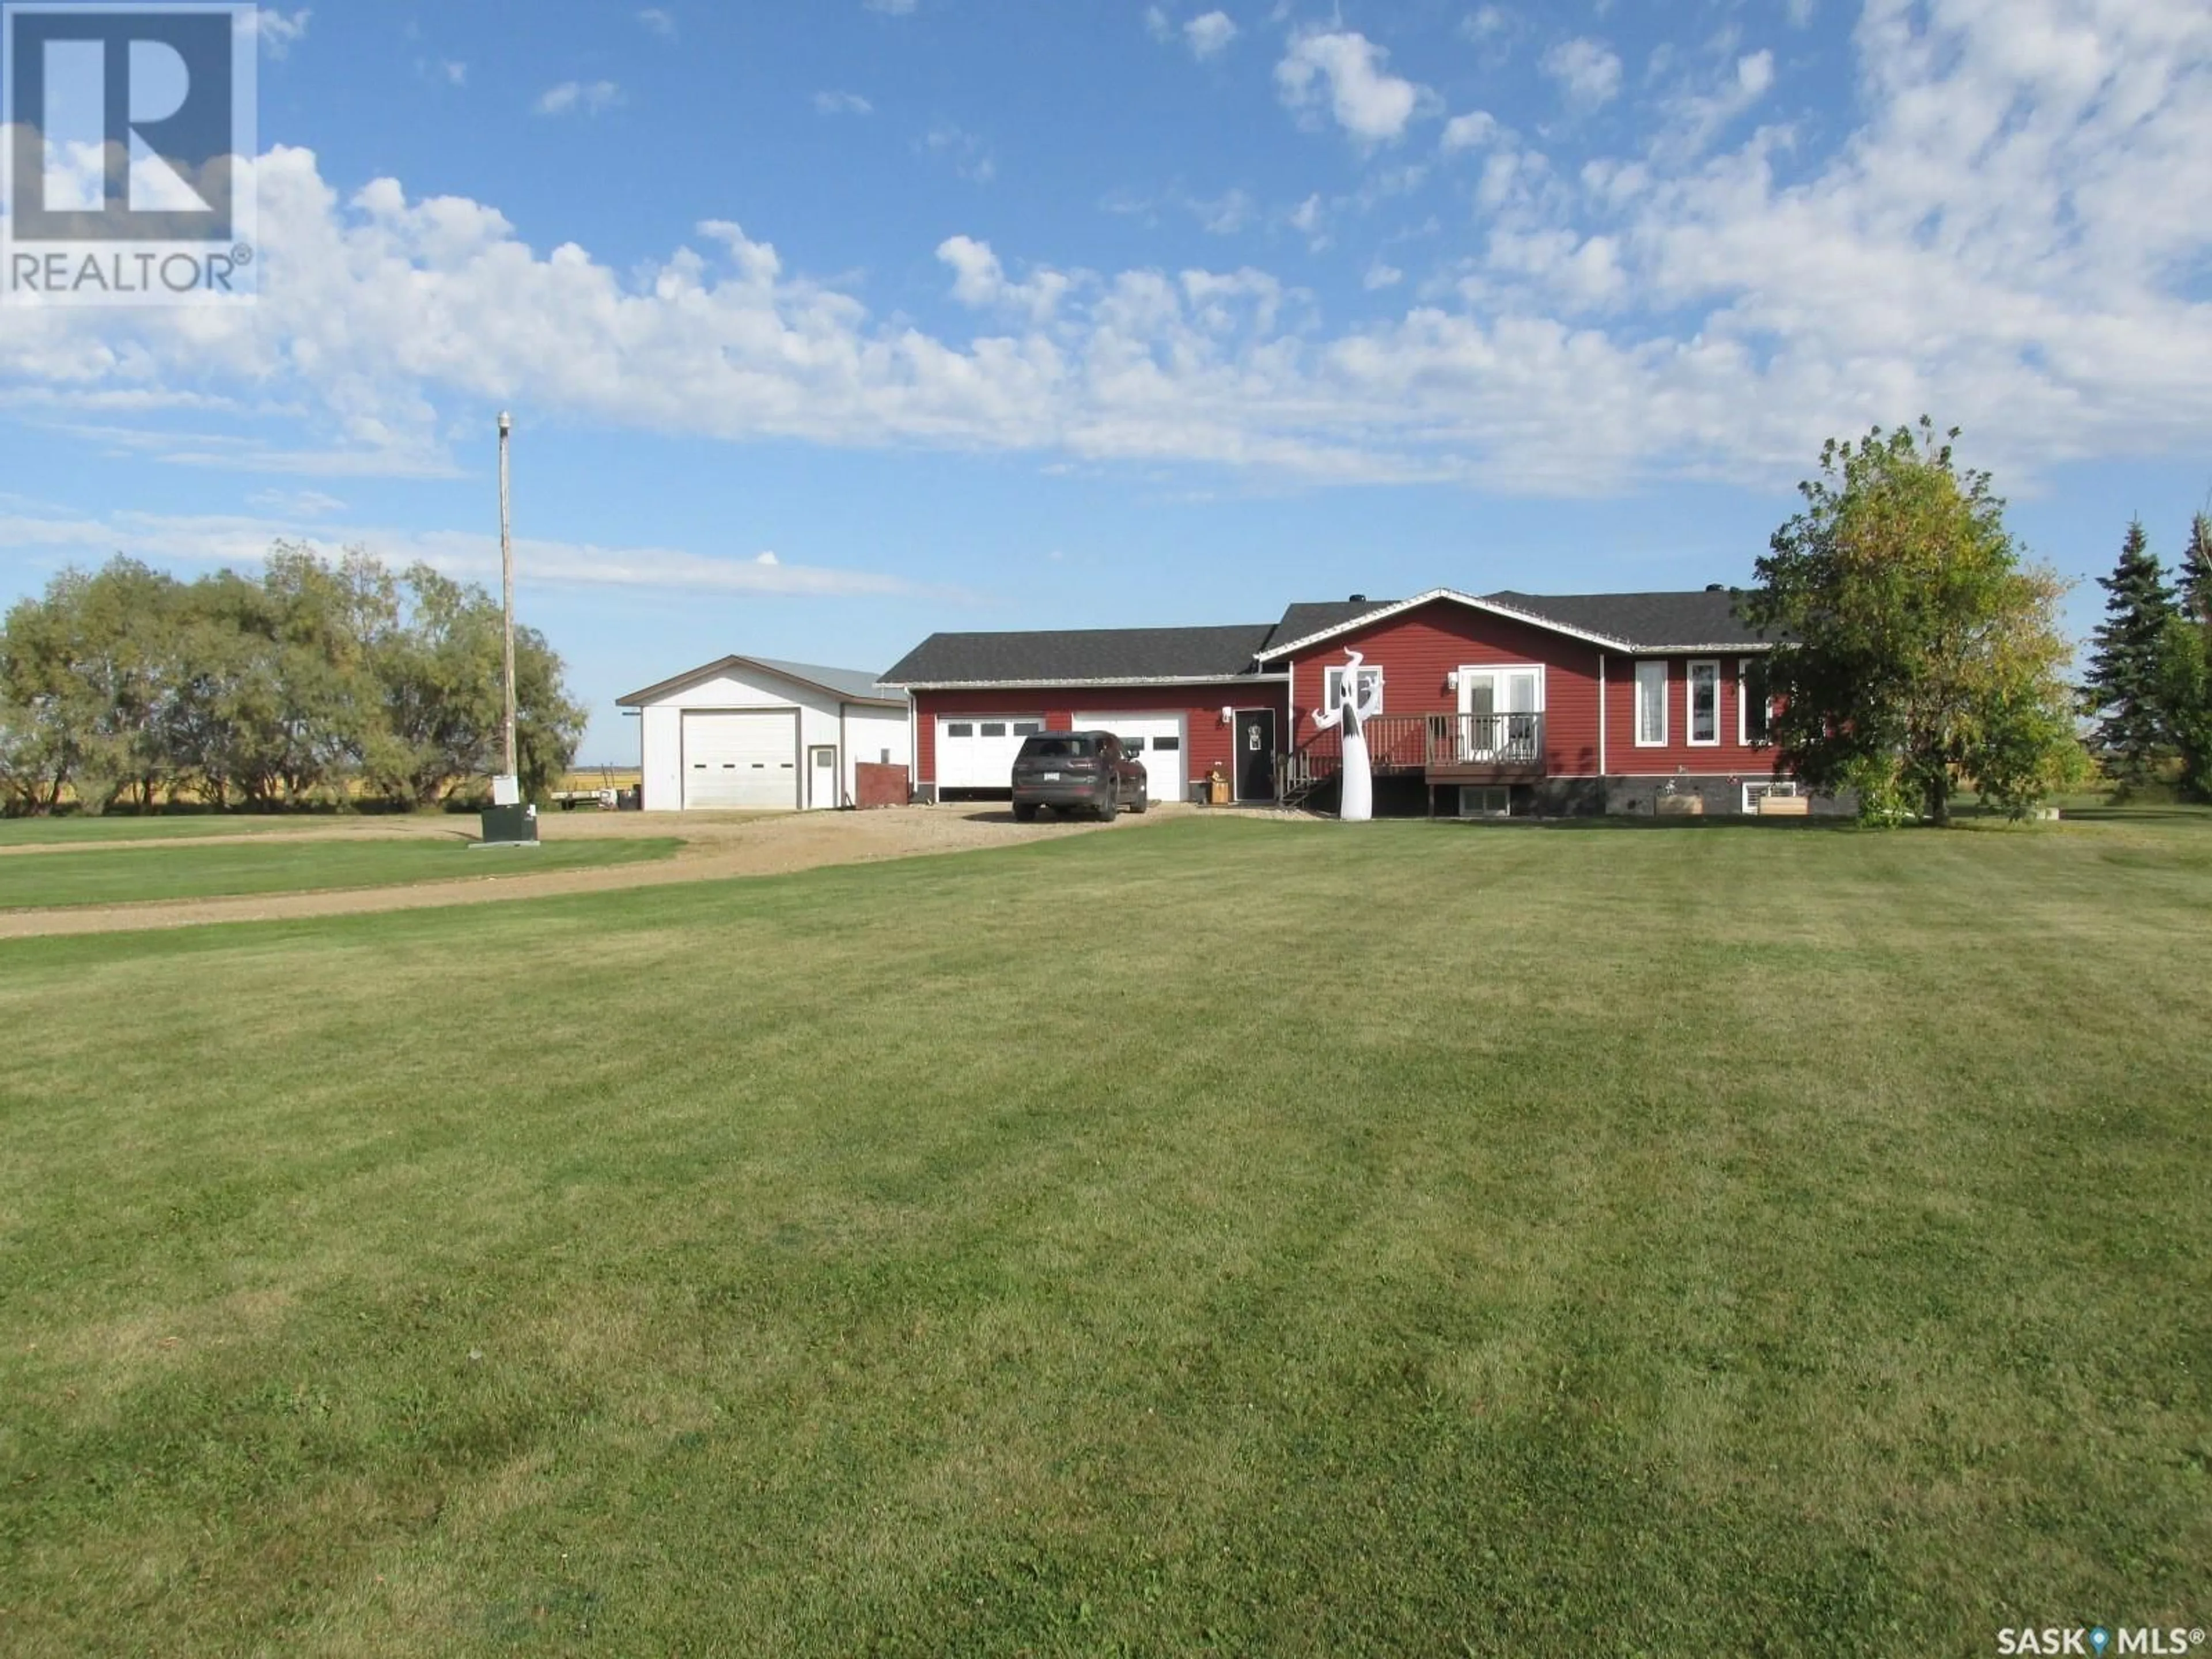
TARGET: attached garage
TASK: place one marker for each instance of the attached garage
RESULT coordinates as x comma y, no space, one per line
1160,740
976,751
742,759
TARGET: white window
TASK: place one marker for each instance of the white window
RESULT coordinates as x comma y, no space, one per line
1651,705
1780,789
1704,705
1332,687
1754,708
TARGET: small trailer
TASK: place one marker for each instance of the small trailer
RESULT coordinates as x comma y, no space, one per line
605,797
570,799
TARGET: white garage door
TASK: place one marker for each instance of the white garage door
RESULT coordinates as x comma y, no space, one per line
748,760
1155,739
976,751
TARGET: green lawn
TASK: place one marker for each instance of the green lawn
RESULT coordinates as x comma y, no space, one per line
120,875
72,829
1219,1235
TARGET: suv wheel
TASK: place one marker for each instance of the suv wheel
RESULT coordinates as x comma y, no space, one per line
1025,812
1111,808
1144,798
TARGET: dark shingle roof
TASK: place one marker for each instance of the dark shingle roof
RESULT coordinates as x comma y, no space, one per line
1648,621
1301,620
1101,656
1081,656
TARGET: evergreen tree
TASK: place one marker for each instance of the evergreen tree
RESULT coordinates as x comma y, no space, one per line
2124,688
2193,591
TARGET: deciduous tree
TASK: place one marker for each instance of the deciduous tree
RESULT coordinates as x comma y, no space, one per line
1911,644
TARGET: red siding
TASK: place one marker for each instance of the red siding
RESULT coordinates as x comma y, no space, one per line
1625,760
1205,741
1417,648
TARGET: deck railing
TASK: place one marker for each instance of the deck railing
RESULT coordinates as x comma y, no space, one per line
1418,743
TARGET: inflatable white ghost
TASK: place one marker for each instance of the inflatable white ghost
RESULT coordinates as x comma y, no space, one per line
1359,699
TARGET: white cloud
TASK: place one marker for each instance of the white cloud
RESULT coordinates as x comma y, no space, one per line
1345,70
1800,12
841,103
1209,33
1692,118
453,72
969,156
570,97
243,541
659,22
1588,71
979,280
890,7
296,503
1159,24
1470,131
278,32
1226,215
1381,276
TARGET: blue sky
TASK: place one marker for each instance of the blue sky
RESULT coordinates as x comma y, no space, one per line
826,325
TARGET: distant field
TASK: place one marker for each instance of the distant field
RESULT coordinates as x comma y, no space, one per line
123,875
1210,1237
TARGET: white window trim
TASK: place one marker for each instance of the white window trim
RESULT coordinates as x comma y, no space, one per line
1331,682
1666,679
1690,703
1743,702
1753,793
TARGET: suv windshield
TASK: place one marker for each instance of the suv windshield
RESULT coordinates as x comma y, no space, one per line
1054,748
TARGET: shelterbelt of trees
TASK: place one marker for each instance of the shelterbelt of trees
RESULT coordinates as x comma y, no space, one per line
318,680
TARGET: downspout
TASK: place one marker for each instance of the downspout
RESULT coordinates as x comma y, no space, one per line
844,752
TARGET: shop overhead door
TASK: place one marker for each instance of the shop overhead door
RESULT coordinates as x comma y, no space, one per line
976,751
746,759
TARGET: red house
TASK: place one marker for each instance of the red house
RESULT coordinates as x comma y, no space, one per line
1509,704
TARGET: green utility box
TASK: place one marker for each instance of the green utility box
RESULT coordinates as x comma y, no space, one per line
509,826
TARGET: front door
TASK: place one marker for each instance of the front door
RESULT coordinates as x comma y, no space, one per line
824,771
1255,754
1497,713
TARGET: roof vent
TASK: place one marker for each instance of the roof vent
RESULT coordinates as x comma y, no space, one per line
1357,599
1716,588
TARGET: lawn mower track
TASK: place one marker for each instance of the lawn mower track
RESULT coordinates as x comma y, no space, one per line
715,847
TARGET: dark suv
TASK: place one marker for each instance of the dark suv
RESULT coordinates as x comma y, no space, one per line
1068,770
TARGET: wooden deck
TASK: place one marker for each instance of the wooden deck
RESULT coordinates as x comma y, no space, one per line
1442,749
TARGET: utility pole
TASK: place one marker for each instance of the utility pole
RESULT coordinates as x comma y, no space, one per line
506,586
